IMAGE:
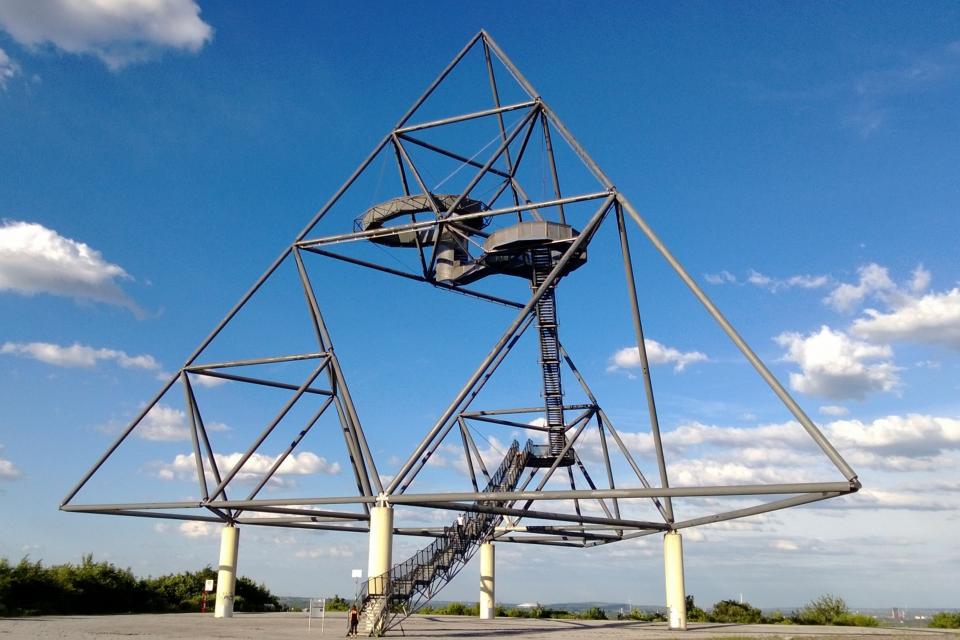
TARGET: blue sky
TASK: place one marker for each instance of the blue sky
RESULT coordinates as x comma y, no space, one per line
801,161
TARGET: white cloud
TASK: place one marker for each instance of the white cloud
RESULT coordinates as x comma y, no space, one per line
912,442
872,499
34,259
199,529
802,281
335,551
874,280
785,545
118,32
657,353
8,471
833,365
712,472
724,277
834,410
77,355
695,433
206,381
296,464
754,277
920,279
933,319
8,69
914,435
167,424
164,424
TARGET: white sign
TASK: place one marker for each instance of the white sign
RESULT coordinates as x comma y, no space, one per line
208,585
357,573
318,607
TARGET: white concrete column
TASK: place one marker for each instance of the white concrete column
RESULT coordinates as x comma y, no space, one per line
673,569
488,607
381,547
227,571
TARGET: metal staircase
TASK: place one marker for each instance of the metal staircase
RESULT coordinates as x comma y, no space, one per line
386,600
543,262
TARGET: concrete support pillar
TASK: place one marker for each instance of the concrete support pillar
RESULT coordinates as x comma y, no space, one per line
381,548
673,569
227,571
488,607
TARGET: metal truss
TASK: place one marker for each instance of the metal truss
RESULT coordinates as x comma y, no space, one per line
447,216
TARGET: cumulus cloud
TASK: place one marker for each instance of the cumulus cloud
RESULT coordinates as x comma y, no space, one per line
913,435
164,424
900,443
657,353
802,281
712,472
206,381
874,281
920,280
118,32
835,366
8,69
34,259
77,355
933,318
167,424
296,464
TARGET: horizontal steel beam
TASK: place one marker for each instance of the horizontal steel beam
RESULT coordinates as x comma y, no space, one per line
263,383
254,361
426,224
147,514
430,499
502,412
466,116
653,492
544,515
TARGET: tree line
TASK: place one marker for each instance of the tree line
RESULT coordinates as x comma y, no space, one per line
90,587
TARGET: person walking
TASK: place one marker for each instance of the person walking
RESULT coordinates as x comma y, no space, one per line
354,618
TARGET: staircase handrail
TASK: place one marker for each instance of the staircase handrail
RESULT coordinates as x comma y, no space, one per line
462,540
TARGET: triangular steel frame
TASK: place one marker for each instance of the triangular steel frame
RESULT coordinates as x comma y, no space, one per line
313,512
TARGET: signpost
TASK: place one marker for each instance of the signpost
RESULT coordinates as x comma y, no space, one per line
207,588
356,574
318,605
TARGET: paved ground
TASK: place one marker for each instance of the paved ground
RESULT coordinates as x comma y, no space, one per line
268,626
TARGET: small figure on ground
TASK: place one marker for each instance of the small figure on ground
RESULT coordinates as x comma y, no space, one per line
354,618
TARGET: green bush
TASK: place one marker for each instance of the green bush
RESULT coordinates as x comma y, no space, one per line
776,617
945,620
29,588
593,613
823,610
733,611
695,613
336,603
855,620
642,616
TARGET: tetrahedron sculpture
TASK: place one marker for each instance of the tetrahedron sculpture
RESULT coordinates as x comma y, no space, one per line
465,210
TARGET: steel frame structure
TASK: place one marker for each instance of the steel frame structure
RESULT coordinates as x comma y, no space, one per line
326,379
